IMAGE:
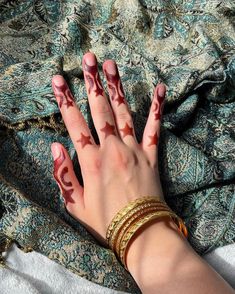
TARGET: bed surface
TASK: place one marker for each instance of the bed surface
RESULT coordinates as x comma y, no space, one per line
33,273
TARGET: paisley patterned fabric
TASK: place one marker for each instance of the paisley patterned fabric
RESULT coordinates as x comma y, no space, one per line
189,45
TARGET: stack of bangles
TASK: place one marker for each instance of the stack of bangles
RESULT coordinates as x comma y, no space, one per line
134,216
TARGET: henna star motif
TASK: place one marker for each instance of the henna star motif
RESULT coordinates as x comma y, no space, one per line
93,79
108,130
60,180
64,94
153,140
127,131
84,140
120,100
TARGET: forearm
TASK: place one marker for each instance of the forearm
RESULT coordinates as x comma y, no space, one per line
161,260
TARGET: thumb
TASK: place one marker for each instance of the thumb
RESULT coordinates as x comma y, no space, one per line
65,177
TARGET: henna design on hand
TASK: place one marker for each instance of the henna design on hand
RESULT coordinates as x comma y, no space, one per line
85,140
153,139
64,94
62,175
158,107
108,130
60,178
93,79
127,130
115,86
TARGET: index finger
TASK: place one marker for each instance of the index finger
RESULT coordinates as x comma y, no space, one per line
75,123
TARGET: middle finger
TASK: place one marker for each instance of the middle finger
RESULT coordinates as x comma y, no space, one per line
101,110
120,107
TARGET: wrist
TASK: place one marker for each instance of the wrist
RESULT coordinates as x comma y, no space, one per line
134,218
156,251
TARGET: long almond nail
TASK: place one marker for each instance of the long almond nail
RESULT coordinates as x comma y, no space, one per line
161,91
55,150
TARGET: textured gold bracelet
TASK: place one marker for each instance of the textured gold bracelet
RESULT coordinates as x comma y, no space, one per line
134,219
130,206
127,222
136,226
130,215
121,224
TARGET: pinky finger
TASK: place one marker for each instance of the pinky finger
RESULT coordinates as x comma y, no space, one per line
152,128
66,179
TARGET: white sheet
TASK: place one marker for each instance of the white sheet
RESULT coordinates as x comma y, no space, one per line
33,273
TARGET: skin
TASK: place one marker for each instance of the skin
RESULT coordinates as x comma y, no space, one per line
119,170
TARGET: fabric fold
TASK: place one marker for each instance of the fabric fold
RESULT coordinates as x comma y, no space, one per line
188,45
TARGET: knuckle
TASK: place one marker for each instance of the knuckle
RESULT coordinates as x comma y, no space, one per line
97,164
124,116
102,108
125,160
152,162
92,165
74,122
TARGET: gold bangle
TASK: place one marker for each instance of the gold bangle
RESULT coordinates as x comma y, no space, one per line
132,215
133,219
134,229
121,224
130,206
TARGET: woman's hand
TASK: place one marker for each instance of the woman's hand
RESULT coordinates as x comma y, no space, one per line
119,169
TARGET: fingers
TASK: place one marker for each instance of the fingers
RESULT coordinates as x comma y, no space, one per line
152,128
65,177
73,118
100,108
120,108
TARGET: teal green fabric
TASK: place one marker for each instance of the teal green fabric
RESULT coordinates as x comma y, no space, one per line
188,45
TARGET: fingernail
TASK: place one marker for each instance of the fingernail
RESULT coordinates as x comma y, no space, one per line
90,59
161,91
111,67
55,150
58,80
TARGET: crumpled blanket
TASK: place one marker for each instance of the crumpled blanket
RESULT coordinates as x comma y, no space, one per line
34,273
188,45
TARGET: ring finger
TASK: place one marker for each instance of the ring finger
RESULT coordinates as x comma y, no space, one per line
75,123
